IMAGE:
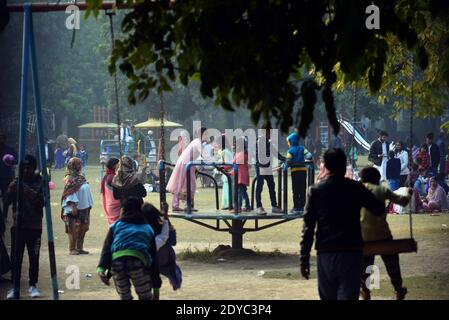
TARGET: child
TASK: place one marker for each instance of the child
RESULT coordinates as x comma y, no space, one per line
82,154
295,160
376,229
165,240
241,159
129,253
393,171
76,202
59,163
423,158
421,183
31,226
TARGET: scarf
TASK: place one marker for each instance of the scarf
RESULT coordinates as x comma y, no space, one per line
107,179
126,176
72,178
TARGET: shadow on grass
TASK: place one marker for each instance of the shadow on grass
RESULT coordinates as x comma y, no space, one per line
225,253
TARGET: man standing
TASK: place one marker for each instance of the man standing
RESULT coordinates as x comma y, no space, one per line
378,154
441,143
333,205
264,172
31,224
434,153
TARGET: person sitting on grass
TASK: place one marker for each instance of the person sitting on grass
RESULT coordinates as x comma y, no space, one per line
423,158
436,199
295,160
241,159
393,171
375,228
421,182
441,179
165,240
129,254
31,225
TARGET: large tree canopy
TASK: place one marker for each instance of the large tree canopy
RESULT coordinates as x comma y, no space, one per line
258,54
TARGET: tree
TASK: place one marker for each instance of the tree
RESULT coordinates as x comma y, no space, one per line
254,53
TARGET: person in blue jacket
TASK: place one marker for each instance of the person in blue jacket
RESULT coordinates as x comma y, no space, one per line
296,155
129,254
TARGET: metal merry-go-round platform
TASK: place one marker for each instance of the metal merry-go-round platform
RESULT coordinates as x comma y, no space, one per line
231,221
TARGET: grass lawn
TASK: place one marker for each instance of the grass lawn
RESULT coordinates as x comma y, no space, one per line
270,273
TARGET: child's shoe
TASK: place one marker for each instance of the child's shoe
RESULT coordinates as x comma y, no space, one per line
261,211
276,210
400,295
34,292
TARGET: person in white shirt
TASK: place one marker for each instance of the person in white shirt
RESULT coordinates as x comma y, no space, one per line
402,155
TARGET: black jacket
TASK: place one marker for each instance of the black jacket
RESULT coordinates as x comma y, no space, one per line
137,191
106,254
333,205
268,155
376,150
394,169
434,155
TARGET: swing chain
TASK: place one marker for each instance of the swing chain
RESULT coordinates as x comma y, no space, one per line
110,14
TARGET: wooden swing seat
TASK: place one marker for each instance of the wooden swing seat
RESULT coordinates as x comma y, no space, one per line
390,247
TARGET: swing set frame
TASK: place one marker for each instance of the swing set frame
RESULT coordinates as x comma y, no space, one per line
29,59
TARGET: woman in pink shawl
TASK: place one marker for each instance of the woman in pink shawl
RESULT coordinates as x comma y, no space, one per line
111,206
436,199
177,185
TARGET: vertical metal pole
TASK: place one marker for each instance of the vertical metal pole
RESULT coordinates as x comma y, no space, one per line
22,145
236,184
189,190
285,188
117,106
279,170
162,194
412,102
43,162
354,115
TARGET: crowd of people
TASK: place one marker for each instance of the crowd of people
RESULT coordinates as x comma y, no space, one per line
139,244
423,169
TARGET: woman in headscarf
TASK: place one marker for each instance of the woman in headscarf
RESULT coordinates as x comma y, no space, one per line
127,182
111,206
436,199
177,185
76,202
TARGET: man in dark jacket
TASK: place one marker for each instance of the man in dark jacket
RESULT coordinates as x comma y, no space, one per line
31,223
378,154
434,153
333,205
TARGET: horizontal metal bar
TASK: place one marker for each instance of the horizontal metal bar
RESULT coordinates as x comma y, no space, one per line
50,7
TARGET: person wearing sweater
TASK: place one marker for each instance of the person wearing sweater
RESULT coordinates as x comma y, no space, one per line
333,207
393,171
129,254
375,228
403,156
